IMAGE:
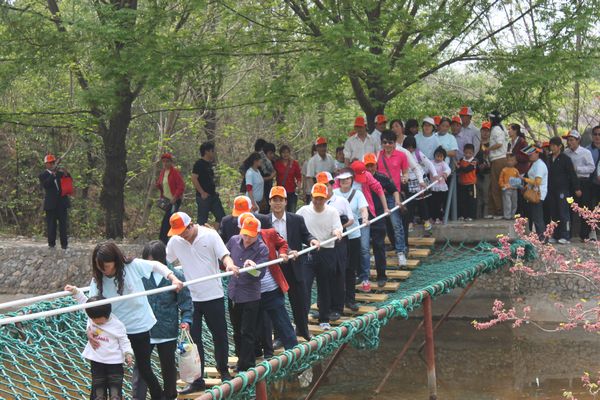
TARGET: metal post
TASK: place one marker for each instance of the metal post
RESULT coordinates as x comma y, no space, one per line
429,348
450,211
325,372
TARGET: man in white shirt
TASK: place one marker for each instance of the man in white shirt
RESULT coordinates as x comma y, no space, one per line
361,143
583,162
469,128
199,250
321,161
323,222
380,125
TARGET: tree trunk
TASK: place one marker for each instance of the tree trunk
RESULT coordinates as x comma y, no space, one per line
112,196
210,123
371,117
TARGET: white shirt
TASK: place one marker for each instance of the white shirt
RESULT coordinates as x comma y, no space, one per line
321,224
136,314
441,168
356,148
539,169
254,178
498,136
582,161
415,168
358,201
200,259
341,205
427,144
280,225
376,136
112,336
448,143
317,164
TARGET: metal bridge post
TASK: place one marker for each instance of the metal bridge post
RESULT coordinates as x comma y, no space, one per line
429,348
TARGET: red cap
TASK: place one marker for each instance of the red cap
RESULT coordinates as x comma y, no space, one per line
456,119
360,171
486,125
320,140
370,158
168,156
437,119
241,204
380,119
465,111
49,158
359,122
178,221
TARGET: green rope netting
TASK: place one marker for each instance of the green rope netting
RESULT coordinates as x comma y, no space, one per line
41,358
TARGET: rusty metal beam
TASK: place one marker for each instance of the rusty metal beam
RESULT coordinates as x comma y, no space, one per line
325,371
429,348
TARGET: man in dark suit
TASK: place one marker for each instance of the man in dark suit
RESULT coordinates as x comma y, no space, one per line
55,204
293,229
229,224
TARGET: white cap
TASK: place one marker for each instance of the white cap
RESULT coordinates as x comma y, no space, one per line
429,120
574,133
345,175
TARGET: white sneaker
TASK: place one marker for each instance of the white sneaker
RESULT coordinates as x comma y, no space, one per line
325,326
551,240
563,241
401,260
489,216
497,217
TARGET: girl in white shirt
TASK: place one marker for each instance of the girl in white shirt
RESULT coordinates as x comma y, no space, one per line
439,191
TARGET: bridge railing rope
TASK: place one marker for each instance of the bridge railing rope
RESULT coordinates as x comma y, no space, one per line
77,307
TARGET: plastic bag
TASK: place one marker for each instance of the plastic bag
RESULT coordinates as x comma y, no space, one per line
188,358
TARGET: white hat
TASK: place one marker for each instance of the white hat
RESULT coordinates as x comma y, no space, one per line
429,120
574,133
344,175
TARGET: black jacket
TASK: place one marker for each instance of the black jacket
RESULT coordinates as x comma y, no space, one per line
229,225
297,235
561,175
53,198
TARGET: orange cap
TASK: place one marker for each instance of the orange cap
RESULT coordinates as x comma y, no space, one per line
168,156
250,226
179,222
380,119
545,144
370,158
319,190
486,125
242,217
49,158
456,119
278,191
465,111
320,140
437,119
324,177
241,204
359,122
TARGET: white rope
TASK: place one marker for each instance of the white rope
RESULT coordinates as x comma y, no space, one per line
50,313
37,299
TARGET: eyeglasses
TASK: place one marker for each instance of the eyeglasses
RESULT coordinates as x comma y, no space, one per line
388,142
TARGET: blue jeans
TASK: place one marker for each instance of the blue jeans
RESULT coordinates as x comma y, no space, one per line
396,219
272,304
365,255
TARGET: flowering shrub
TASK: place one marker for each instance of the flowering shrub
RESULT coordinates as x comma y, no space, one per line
550,262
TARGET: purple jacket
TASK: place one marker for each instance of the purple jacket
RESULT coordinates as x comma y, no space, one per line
246,288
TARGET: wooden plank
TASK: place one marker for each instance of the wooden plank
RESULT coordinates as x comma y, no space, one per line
209,383
392,274
315,321
347,311
211,372
389,287
393,263
371,297
420,253
421,241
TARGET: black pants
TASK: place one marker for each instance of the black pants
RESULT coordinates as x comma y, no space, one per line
168,369
437,203
297,297
212,204
213,312
292,202
140,343
107,381
245,320
585,200
377,241
338,293
418,207
353,266
321,264
54,218
560,211
467,201
165,226
535,215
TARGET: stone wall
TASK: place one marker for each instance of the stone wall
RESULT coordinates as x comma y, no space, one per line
30,267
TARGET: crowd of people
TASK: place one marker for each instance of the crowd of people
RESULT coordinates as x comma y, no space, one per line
498,174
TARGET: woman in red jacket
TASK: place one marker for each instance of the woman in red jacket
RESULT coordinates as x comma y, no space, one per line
171,186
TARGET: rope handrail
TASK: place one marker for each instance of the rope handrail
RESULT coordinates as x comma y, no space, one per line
77,307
